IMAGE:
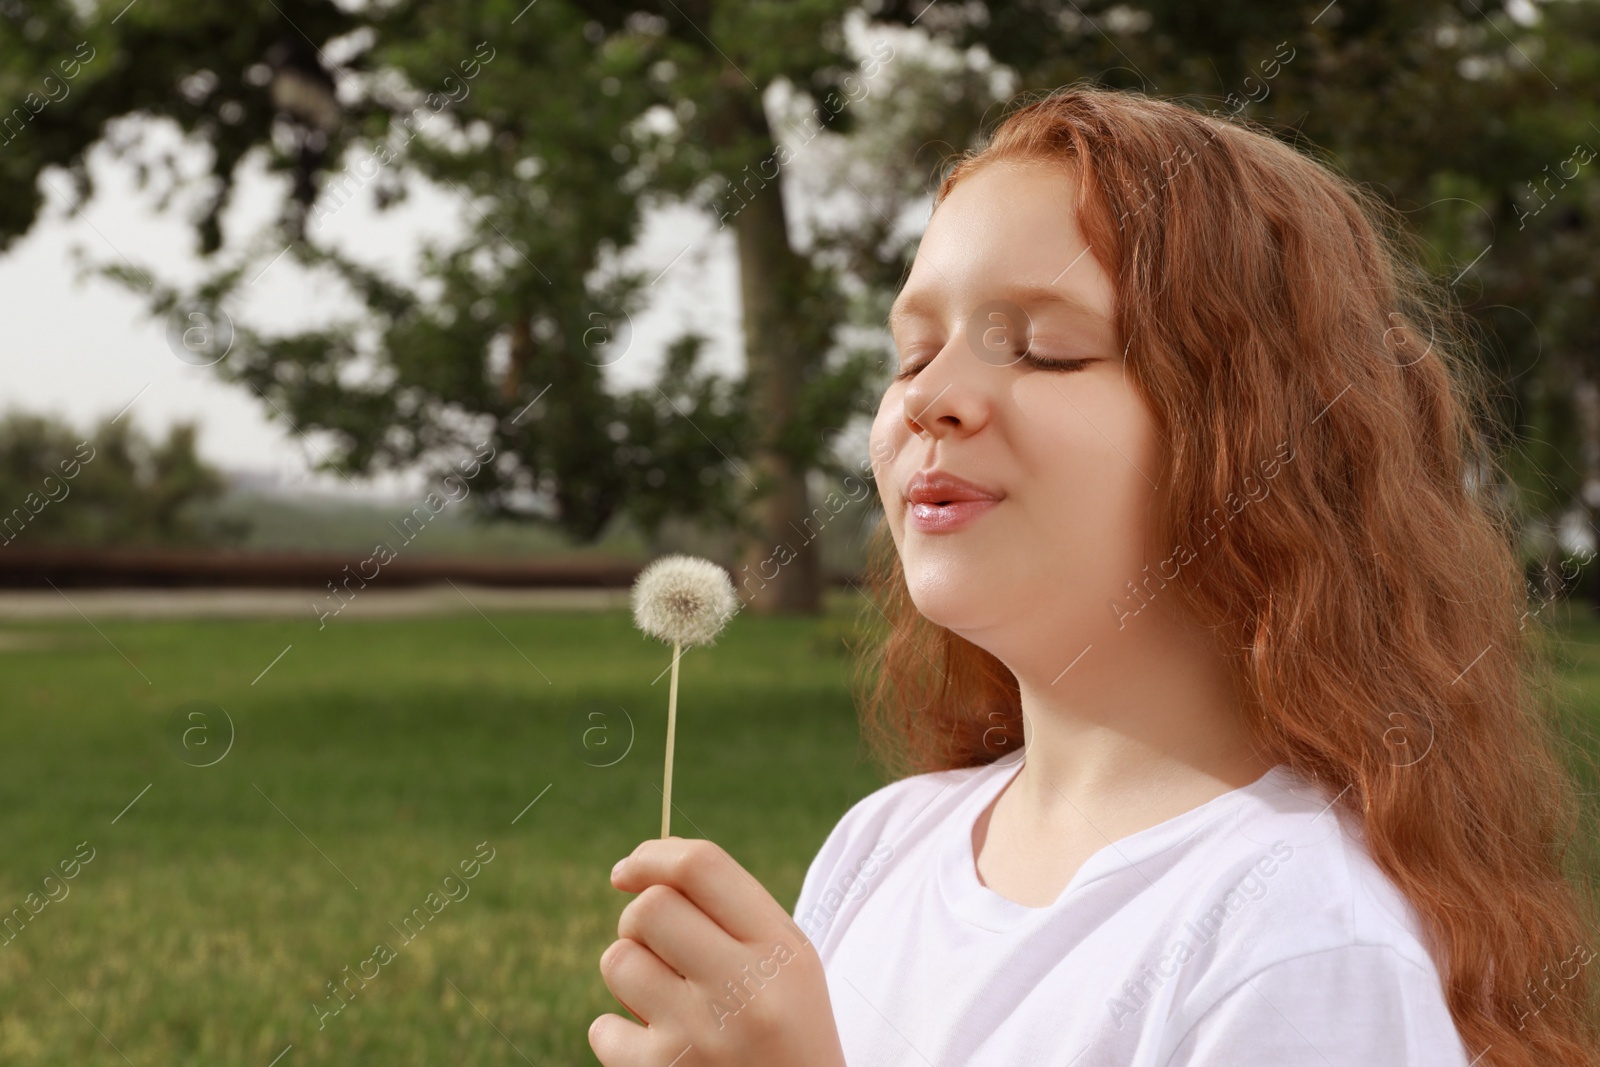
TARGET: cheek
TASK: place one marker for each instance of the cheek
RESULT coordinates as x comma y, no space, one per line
1093,461
885,442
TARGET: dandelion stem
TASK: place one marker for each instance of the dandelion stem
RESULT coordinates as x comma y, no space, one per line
672,726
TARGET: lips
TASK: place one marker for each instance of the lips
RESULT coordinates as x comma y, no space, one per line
942,487
940,502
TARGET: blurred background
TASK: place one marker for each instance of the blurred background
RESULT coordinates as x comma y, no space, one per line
356,356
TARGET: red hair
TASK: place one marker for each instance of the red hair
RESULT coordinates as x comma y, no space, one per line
1371,602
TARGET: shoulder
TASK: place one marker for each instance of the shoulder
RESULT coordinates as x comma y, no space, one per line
903,805
876,830
1346,1005
1288,858
1297,932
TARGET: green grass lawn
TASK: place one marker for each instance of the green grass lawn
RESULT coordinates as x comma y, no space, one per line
206,926
366,764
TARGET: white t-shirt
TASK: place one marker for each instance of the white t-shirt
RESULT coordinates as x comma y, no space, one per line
1252,930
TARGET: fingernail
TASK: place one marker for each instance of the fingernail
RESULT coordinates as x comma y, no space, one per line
618,867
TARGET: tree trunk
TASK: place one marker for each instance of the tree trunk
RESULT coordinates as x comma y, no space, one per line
781,572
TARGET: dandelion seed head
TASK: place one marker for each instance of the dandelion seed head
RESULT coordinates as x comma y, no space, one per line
683,599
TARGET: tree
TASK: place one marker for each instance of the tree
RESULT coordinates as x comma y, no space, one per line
555,124
113,487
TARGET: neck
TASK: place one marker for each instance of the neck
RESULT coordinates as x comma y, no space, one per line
1150,710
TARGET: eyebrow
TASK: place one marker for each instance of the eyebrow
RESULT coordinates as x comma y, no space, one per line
921,305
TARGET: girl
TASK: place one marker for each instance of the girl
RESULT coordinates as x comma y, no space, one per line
1205,662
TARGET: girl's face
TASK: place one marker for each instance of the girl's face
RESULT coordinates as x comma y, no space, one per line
1067,455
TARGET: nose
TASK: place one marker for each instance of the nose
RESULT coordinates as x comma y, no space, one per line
947,396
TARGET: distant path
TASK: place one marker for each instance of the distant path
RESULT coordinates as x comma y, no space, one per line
259,603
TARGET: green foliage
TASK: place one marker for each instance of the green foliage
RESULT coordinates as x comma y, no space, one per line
196,62
114,487
552,125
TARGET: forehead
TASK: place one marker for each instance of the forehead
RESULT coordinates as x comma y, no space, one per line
1008,231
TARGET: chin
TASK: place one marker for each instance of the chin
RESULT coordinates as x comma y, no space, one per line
954,594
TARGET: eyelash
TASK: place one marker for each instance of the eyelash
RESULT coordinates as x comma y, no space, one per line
1035,361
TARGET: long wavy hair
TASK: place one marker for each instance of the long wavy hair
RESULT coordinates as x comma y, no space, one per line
1372,602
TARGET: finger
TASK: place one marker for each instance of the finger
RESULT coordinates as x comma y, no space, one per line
668,924
619,1042
640,981
710,878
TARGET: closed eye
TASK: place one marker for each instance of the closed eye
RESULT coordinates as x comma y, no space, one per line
1029,357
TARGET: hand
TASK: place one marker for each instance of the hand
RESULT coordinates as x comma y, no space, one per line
713,965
